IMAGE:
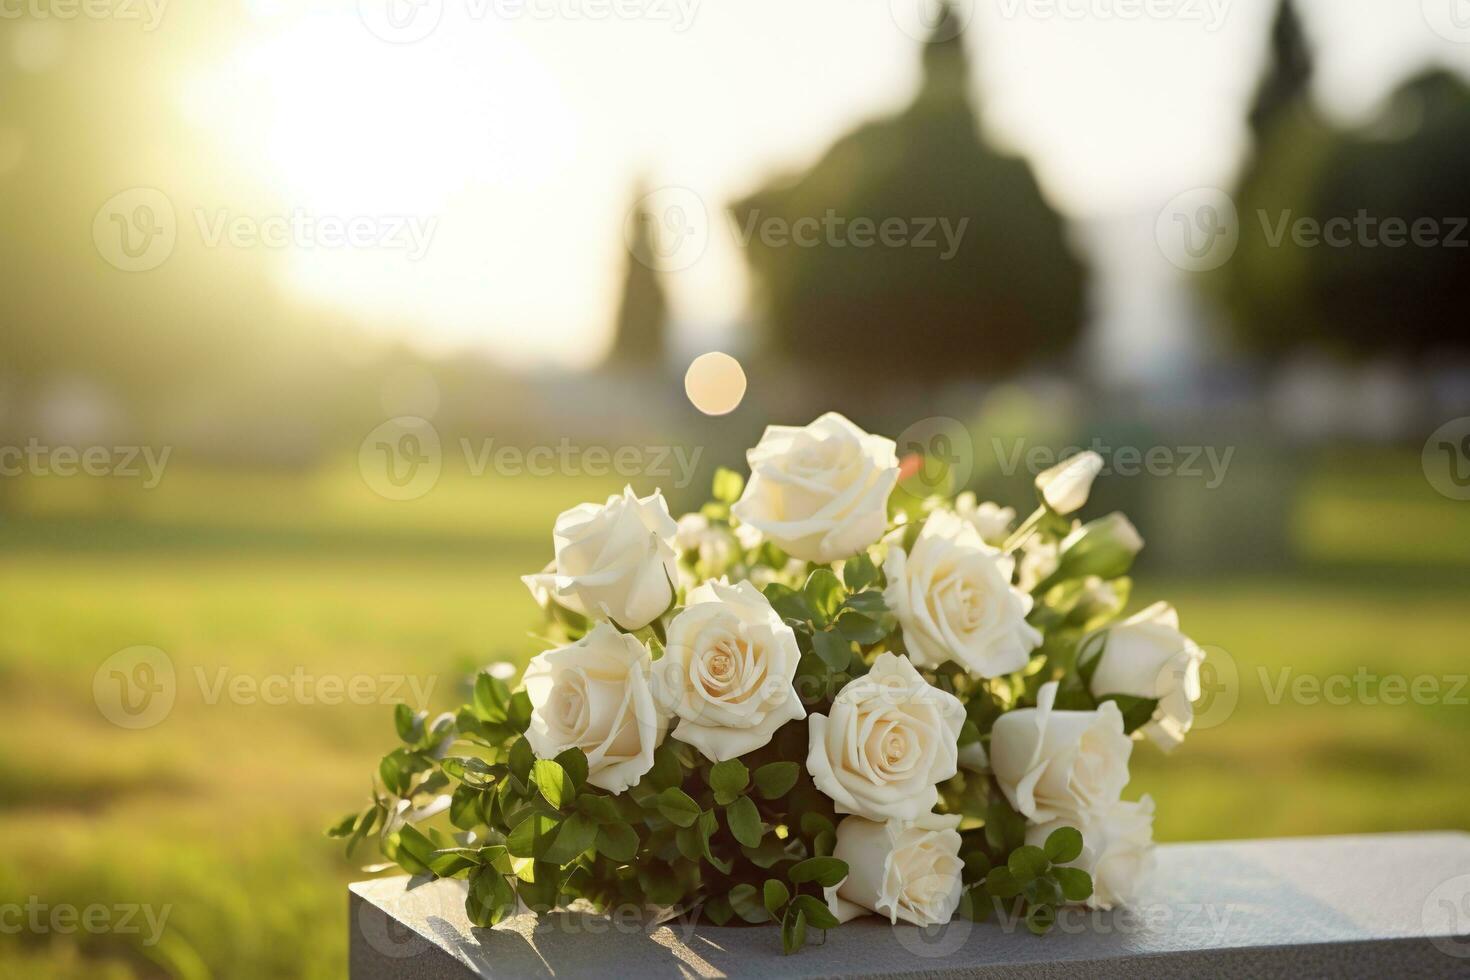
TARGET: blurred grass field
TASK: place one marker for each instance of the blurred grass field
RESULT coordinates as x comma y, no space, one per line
216,813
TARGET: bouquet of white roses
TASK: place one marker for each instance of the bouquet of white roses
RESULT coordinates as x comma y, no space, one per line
807,702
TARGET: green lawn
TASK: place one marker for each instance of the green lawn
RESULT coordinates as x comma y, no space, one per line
215,814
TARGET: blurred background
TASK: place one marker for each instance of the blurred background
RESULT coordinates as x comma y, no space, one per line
315,314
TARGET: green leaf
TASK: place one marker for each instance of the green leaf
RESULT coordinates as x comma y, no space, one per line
1001,883
519,714
718,910
775,779
539,893
667,770
747,903
858,572
816,911
553,782
343,827
618,842
574,761
860,627
870,603
1040,919
1027,862
1136,712
576,834
814,823
824,595
1075,883
1063,844
728,779
744,821
825,871
788,603
403,720
1004,828
599,808
522,757
834,649
775,895
1043,891
492,698
977,865
471,770
793,930
728,485
532,836
677,807
490,898
450,861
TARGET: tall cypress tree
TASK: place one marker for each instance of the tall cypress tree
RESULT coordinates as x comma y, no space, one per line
639,332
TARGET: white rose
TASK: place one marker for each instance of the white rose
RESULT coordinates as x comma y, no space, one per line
613,562
1117,850
1058,764
1064,488
727,671
891,738
953,597
820,492
992,521
1145,656
597,695
909,872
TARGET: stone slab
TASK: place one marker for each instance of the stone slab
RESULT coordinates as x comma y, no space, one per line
1390,905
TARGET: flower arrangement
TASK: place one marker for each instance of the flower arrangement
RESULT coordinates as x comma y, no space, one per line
806,702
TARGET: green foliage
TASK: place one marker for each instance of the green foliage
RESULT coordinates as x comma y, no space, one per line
1008,291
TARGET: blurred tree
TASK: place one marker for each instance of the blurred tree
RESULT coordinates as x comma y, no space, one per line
639,333
1283,89
1344,286
1262,286
983,280
1403,284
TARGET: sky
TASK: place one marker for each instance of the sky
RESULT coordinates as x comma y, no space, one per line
512,133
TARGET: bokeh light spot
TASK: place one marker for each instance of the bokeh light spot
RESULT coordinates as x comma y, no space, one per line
715,383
